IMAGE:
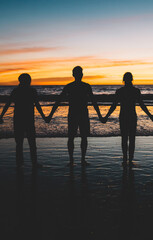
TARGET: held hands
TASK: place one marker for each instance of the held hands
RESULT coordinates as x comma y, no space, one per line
103,119
48,119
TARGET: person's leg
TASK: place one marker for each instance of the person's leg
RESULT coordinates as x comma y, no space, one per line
19,152
84,126
19,136
32,144
33,149
70,145
132,134
124,146
84,144
124,138
72,131
131,147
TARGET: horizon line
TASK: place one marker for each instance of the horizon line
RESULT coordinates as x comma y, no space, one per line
9,85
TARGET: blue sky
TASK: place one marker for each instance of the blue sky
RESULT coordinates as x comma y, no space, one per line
113,30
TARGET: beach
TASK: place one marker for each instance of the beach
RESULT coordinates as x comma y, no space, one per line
101,201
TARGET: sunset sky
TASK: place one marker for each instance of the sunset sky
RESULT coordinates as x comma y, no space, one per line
47,38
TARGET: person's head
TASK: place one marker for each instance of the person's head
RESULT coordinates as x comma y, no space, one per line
128,78
77,73
25,79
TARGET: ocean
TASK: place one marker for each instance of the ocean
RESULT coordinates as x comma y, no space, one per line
58,125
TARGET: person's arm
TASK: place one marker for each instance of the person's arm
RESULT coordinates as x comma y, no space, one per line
113,107
143,107
95,105
37,104
8,103
55,106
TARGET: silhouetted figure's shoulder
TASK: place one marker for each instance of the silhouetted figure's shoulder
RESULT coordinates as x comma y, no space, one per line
74,84
14,90
21,93
129,89
33,92
77,86
132,87
128,94
14,93
137,90
86,85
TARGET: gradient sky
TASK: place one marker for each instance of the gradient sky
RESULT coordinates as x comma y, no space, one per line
48,38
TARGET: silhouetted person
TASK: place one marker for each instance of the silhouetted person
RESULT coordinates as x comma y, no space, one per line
77,93
25,97
128,96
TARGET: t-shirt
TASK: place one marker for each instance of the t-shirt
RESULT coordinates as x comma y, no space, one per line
24,98
78,96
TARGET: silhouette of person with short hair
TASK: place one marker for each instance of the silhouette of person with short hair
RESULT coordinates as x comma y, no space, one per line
25,97
77,93
128,96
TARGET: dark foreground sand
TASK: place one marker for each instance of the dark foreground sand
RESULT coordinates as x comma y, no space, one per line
101,201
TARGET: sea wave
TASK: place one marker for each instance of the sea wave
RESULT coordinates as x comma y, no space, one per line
58,125
97,89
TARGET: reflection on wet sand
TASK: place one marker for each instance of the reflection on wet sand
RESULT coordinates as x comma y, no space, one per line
101,201
128,205
54,208
27,207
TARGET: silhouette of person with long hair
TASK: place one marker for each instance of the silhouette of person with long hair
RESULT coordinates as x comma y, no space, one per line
25,97
77,93
128,96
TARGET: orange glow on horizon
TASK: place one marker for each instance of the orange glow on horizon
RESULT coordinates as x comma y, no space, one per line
58,71
64,82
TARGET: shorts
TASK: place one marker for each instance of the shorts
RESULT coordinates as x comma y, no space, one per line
80,121
22,130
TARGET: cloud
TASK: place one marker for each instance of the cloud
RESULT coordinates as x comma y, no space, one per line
90,61
26,50
48,61
50,79
63,80
8,70
50,70
116,63
40,65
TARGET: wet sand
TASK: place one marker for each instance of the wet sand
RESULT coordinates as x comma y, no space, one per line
101,201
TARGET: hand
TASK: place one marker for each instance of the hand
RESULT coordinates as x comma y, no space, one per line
101,119
47,119
104,119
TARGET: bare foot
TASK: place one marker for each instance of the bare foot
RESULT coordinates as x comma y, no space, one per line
131,164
